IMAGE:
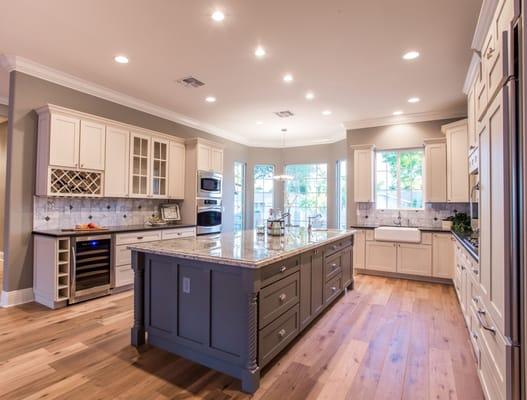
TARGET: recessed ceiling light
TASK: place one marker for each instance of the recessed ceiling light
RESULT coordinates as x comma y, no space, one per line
259,122
310,95
326,112
288,78
218,16
210,99
414,100
259,52
397,113
121,59
411,55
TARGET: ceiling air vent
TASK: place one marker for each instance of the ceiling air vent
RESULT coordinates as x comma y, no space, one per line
284,114
190,81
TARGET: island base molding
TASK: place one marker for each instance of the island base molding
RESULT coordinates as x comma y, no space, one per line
235,319
420,278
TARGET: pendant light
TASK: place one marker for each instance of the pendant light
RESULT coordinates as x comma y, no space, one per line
283,177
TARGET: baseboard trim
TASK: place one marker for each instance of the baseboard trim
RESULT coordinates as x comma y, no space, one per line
419,278
16,297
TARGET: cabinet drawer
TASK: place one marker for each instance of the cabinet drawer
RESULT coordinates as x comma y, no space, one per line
332,266
278,297
339,245
277,335
177,233
279,270
474,333
124,275
137,237
332,289
490,376
123,256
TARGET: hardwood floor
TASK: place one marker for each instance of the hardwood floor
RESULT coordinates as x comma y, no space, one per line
387,339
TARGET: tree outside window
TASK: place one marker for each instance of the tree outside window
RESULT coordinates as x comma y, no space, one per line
399,179
263,192
239,195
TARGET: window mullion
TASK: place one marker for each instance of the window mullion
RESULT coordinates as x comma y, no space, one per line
399,180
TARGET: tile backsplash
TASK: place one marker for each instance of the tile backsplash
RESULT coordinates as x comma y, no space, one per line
431,216
61,213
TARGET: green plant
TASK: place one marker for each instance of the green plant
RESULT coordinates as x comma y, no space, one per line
460,222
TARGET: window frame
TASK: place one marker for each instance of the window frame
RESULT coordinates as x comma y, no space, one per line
399,151
254,188
243,198
338,177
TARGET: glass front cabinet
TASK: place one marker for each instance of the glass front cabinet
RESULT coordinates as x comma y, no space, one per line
140,165
159,168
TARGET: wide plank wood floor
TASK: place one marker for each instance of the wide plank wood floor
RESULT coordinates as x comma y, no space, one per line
387,339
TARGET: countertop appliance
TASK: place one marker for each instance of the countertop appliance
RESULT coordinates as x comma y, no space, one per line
209,214
170,212
91,272
209,185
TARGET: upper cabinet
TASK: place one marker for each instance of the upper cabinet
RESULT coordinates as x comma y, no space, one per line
363,173
210,157
471,119
457,161
435,171
85,155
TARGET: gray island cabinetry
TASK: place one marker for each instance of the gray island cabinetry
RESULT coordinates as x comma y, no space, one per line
233,301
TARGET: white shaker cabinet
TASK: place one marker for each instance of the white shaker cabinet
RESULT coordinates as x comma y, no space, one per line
139,165
92,145
176,172
435,171
442,255
359,249
217,160
210,158
457,161
381,256
414,259
64,138
363,173
117,162
159,167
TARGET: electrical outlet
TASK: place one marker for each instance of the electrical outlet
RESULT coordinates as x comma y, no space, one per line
186,285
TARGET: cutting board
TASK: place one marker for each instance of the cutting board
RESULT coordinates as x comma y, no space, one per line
85,230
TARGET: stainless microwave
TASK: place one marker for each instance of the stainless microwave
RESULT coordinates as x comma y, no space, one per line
209,184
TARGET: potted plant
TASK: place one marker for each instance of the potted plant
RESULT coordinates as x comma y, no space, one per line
446,223
459,222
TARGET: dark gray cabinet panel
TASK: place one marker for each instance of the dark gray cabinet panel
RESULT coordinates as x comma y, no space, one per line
306,261
317,282
278,297
333,288
193,310
279,270
332,266
346,260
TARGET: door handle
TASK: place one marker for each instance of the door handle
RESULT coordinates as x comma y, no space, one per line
281,333
483,324
283,268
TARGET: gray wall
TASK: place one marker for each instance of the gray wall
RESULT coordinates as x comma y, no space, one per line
25,95
388,137
326,153
3,153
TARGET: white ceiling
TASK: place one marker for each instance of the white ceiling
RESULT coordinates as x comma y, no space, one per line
347,52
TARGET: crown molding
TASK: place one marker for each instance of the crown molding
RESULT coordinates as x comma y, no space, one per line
404,119
455,124
20,64
4,101
471,73
337,137
486,13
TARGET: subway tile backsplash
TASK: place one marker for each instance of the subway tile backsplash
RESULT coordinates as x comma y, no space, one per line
63,213
431,216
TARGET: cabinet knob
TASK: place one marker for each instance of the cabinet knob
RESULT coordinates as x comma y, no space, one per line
282,297
140,237
281,333
475,271
333,266
333,288
283,268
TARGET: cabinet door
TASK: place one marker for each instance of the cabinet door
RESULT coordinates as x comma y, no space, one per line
64,139
176,172
204,157
306,261
92,145
381,256
471,116
415,259
347,267
217,160
117,162
363,161
359,249
317,282
435,167
457,165
442,255
159,168
139,165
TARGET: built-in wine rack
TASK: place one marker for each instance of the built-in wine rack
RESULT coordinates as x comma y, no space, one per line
67,182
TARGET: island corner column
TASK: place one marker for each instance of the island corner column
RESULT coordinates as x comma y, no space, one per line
138,330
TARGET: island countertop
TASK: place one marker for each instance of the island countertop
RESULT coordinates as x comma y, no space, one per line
244,249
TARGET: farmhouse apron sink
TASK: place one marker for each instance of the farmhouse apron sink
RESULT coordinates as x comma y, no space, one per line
398,234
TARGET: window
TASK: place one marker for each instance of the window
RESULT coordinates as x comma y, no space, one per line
399,179
341,193
306,193
239,195
263,192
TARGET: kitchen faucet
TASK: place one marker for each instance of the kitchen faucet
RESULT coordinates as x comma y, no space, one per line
310,221
398,222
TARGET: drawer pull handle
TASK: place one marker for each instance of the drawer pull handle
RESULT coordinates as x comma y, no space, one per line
334,247
491,329
282,297
281,333
475,271
475,300
490,52
333,289
283,268
333,266
475,335
140,237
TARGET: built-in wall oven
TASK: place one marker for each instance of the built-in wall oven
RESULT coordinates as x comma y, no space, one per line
91,272
209,184
209,216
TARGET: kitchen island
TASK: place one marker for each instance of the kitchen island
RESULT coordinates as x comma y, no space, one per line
233,301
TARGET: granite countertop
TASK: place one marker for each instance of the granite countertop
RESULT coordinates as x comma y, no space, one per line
421,228
111,229
244,249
